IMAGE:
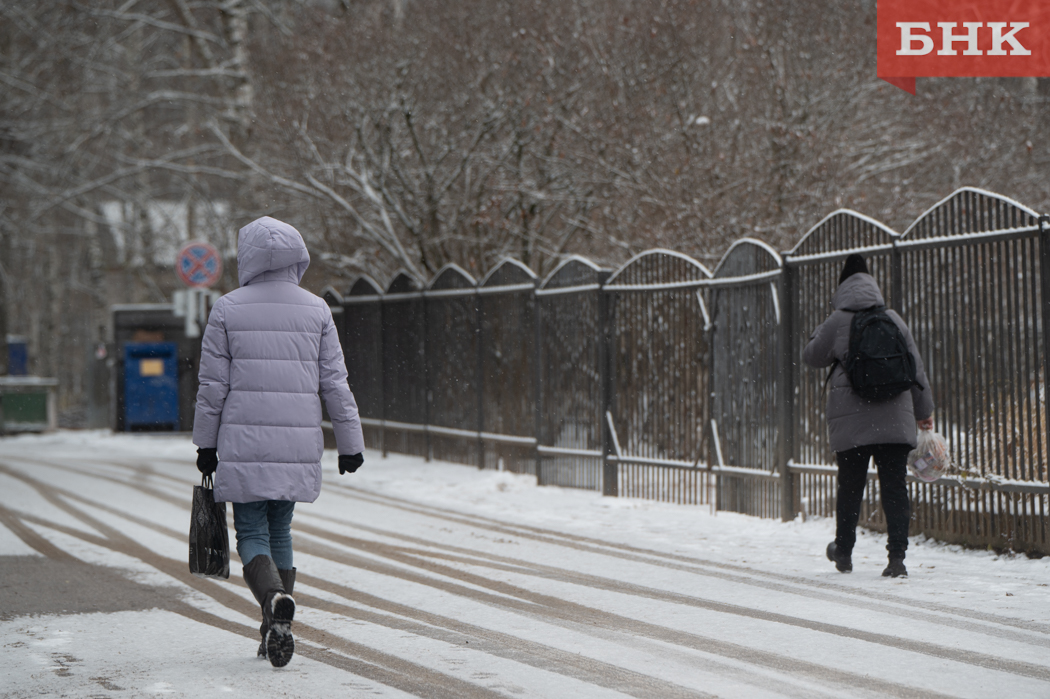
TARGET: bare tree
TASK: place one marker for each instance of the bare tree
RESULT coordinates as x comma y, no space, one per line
413,134
104,163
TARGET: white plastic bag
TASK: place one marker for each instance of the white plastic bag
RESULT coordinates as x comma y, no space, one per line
930,458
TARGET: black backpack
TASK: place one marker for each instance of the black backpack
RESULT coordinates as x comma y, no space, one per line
878,365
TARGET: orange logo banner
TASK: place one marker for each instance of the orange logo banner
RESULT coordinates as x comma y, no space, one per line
962,38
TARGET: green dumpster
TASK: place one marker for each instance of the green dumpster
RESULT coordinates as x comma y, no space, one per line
27,404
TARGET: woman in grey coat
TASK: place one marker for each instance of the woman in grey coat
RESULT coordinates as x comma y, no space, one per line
860,430
268,350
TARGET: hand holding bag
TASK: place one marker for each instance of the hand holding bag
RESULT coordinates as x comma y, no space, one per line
209,538
930,459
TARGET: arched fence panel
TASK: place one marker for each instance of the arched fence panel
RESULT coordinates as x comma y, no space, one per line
745,340
664,381
814,266
453,366
362,341
569,379
658,377
404,368
974,280
811,274
507,303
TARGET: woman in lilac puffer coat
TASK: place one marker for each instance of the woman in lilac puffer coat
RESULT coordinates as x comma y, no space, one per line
268,350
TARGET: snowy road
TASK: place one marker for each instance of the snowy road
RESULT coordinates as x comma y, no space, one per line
437,580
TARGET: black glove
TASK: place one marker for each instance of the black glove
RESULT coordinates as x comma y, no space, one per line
207,460
348,463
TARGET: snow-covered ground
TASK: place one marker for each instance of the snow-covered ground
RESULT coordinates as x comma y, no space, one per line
439,580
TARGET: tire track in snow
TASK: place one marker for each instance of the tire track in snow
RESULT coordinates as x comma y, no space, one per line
957,655
418,559
520,650
727,571
852,600
816,589
353,666
372,664
625,628
367,670
584,619
530,601
503,645
871,600
562,575
496,643
30,538
568,664
511,647
357,667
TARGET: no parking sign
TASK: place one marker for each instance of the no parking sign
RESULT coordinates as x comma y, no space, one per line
198,264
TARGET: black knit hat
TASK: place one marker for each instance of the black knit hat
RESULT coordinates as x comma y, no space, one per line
854,265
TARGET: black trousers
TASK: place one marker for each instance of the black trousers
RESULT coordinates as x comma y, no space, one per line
892,462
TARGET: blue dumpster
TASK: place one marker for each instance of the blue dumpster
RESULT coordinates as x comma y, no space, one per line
151,386
17,355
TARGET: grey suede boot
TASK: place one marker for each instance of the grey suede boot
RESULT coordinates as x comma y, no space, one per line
278,608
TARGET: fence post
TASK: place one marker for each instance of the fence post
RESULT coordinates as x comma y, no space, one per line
479,374
382,379
610,469
896,280
537,380
1044,279
426,377
786,390
713,484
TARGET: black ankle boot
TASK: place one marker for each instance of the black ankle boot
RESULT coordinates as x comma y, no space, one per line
842,559
896,568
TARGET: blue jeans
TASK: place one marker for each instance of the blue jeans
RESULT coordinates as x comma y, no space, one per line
264,528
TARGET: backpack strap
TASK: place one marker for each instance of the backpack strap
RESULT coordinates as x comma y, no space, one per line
828,380
834,364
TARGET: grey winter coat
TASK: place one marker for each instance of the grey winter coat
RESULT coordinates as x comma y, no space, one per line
268,349
852,420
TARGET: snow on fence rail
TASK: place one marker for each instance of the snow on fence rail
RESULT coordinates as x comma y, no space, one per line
664,380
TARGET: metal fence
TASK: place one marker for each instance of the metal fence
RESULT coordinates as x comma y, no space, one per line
569,388
666,381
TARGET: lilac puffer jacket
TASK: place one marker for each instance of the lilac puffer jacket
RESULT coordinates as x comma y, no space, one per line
268,349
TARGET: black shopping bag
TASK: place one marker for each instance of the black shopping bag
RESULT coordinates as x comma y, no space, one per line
209,539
